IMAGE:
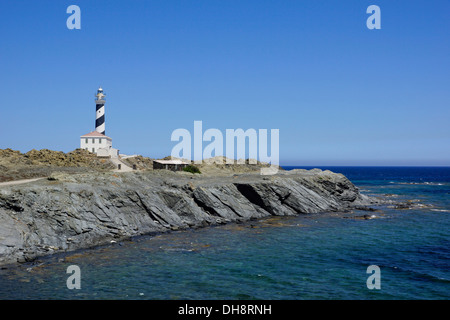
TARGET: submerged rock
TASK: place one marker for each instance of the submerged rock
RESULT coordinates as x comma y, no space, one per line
84,210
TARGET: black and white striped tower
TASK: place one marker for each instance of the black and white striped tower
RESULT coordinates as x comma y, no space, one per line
100,111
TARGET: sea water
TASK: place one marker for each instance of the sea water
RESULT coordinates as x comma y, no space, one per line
319,256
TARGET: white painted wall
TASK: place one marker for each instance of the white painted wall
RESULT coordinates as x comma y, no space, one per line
108,152
92,144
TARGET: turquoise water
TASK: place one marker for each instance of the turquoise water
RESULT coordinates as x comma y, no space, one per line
323,256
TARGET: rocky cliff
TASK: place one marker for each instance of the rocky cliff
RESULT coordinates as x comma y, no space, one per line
69,212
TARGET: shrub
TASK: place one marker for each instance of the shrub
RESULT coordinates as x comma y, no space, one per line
192,169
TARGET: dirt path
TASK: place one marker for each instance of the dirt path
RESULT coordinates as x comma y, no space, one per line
11,183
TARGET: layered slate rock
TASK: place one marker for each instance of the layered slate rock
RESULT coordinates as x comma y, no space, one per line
85,210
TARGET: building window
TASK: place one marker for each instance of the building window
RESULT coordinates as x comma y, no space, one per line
93,150
93,140
99,140
86,140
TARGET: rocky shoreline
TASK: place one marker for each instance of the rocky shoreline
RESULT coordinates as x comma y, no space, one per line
70,212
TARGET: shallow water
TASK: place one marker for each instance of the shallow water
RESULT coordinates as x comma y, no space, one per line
323,256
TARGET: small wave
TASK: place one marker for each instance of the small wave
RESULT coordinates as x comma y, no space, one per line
421,183
177,249
419,274
440,210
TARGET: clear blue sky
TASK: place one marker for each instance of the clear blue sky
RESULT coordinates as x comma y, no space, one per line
339,93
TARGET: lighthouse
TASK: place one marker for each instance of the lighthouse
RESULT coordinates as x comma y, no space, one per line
100,111
96,141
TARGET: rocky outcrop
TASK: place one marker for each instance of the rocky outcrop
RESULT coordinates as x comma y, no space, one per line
69,212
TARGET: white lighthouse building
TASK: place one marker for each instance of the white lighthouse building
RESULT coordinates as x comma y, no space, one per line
96,141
